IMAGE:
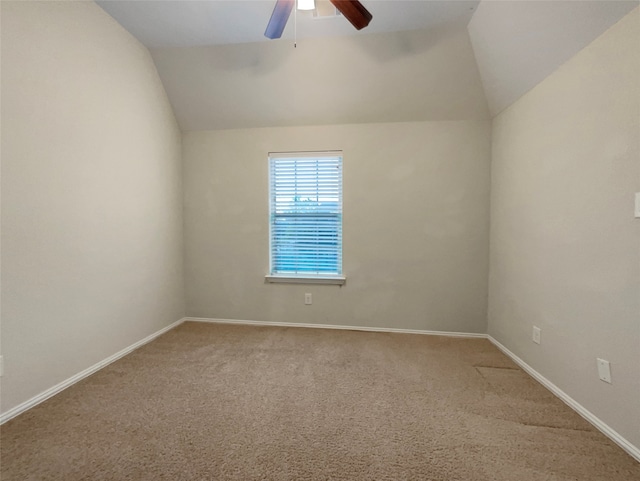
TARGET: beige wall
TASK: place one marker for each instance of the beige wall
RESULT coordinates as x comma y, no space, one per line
91,195
416,201
565,247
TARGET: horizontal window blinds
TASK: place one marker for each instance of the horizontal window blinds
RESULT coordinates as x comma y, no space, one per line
306,214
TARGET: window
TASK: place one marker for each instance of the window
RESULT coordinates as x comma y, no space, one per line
305,217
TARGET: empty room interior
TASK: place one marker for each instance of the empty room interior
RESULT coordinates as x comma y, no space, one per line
330,240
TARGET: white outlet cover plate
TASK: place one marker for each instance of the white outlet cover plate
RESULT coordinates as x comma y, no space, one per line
637,210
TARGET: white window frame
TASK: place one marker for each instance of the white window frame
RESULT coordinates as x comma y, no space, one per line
303,278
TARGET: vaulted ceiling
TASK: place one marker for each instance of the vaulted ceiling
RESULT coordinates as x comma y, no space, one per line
517,44
417,60
189,23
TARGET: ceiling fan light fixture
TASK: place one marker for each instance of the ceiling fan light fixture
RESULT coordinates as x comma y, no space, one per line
352,10
306,4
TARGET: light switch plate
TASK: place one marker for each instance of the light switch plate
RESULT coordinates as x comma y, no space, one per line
537,332
637,210
604,370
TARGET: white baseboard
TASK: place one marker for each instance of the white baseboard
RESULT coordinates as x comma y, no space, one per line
633,451
43,396
332,326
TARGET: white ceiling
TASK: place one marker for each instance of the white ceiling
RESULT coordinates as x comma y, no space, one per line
386,77
187,23
221,72
517,44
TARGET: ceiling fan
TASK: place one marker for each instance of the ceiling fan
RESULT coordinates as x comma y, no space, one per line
352,10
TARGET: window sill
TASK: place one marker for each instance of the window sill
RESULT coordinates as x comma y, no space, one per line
282,279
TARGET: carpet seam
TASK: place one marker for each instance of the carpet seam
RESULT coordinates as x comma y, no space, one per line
595,421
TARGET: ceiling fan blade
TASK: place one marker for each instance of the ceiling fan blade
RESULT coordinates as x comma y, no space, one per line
354,11
279,18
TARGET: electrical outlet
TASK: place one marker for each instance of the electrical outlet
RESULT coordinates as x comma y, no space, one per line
308,300
536,334
604,370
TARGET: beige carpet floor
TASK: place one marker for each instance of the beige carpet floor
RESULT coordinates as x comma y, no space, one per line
225,402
